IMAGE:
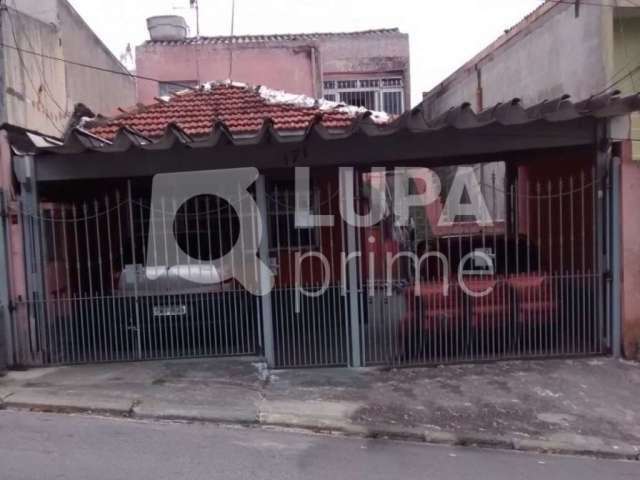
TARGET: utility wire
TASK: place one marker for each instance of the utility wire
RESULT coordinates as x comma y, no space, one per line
93,67
45,86
189,87
25,69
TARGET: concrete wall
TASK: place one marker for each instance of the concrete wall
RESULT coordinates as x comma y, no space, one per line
44,10
555,53
291,68
40,93
363,56
101,91
294,66
35,88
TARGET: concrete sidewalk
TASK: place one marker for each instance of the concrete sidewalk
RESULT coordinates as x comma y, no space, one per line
566,406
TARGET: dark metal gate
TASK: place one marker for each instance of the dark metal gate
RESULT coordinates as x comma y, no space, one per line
531,284
92,296
311,312
439,288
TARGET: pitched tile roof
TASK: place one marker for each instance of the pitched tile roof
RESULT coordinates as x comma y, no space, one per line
241,108
277,37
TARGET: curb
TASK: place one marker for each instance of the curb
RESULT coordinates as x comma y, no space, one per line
431,437
67,409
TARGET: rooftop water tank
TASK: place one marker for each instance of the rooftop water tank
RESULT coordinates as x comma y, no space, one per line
167,27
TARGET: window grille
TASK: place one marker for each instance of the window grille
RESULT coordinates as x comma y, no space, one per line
385,94
173,86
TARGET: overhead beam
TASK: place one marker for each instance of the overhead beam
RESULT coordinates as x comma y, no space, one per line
358,149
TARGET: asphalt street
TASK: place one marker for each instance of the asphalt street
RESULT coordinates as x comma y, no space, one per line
55,446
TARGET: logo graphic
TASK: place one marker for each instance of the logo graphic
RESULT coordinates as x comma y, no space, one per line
241,262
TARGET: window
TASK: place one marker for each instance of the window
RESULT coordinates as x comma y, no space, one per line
366,99
386,94
173,86
392,101
283,230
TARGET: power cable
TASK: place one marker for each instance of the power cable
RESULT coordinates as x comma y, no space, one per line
25,69
46,88
93,67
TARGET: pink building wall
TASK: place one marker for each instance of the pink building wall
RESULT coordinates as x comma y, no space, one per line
295,63
293,69
17,275
630,258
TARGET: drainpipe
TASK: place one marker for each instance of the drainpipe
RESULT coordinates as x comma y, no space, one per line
316,72
6,332
479,99
3,109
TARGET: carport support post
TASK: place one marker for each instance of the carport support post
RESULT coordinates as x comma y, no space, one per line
265,279
24,168
616,298
349,195
6,339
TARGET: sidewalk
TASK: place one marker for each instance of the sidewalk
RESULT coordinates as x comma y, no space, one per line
566,406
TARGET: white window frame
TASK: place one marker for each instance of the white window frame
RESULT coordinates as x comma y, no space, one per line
340,93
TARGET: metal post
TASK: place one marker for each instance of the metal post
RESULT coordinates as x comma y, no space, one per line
6,338
135,272
24,168
616,327
349,195
265,300
603,212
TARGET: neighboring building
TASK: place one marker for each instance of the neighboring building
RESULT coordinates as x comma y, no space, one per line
368,68
564,48
554,51
40,93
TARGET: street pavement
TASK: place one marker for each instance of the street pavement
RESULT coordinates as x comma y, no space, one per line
580,406
56,446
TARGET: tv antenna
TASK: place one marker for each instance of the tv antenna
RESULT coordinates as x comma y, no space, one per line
194,4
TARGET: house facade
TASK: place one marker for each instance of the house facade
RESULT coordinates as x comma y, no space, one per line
368,68
579,50
120,264
40,89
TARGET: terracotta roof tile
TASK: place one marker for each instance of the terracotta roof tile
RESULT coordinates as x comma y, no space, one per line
243,109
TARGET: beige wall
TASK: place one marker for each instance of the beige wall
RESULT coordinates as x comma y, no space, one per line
555,54
35,88
102,92
40,93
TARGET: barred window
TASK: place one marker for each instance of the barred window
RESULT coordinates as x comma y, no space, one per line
385,94
173,86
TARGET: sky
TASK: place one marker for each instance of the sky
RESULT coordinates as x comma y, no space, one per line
443,34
